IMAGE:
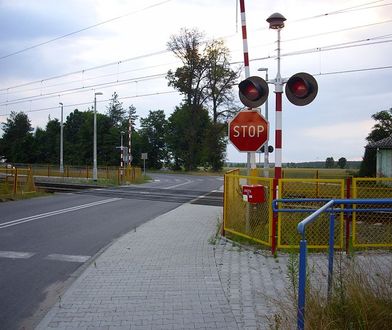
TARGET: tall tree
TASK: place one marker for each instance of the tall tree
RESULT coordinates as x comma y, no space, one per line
186,136
116,112
17,138
152,134
220,79
47,143
205,80
381,129
342,162
188,78
329,162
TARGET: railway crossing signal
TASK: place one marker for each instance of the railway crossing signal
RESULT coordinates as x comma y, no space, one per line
301,88
253,91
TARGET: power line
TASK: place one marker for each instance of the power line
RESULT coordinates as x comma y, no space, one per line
166,51
98,101
127,81
83,80
171,92
353,70
350,44
80,89
336,31
88,69
346,10
82,30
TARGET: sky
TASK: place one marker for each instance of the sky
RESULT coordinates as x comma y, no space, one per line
66,50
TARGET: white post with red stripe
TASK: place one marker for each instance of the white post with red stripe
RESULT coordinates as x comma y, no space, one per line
244,39
251,161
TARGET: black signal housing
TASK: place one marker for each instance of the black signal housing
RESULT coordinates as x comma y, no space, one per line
253,91
301,88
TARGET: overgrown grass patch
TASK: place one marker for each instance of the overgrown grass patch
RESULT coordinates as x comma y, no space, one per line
361,297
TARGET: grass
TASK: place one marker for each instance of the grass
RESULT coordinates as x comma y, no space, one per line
215,237
361,297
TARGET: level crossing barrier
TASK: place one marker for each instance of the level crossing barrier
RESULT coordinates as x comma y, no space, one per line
384,206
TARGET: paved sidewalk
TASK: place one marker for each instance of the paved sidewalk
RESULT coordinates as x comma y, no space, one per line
161,276
168,275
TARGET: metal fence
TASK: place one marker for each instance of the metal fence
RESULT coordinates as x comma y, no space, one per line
115,175
257,222
308,188
15,181
372,229
248,220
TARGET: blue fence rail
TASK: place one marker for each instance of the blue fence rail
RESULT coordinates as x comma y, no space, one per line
332,207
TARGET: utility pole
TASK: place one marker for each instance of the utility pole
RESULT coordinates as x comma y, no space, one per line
95,169
61,140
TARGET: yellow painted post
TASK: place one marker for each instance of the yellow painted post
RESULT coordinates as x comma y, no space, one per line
15,181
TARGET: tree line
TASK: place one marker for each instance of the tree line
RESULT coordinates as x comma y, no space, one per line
193,135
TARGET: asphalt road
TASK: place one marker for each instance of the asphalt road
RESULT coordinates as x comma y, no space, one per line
45,242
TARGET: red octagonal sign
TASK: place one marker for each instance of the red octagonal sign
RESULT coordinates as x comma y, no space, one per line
248,130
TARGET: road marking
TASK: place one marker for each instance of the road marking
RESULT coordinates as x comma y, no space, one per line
67,257
179,185
49,214
15,255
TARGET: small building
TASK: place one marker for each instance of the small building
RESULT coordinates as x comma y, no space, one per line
384,156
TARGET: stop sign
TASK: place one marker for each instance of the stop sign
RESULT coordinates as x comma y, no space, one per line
248,130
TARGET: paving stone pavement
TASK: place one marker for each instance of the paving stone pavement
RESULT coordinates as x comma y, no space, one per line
161,276
167,274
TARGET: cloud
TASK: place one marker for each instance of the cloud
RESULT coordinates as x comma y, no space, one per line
339,131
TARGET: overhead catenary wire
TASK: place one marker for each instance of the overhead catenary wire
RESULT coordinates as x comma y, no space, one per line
160,52
73,105
324,48
356,43
82,30
131,80
80,89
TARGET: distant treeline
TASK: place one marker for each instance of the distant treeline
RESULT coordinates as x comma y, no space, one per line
351,164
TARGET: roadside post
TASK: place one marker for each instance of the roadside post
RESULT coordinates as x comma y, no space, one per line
144,157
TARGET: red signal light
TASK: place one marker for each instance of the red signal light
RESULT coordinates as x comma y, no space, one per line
253,91
301,88
250,91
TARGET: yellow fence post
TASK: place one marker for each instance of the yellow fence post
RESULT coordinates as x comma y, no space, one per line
15,189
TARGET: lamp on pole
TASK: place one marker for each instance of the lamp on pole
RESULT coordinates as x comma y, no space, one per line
95,170
266,152
276,22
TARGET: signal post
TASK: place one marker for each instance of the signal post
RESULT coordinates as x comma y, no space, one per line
301,89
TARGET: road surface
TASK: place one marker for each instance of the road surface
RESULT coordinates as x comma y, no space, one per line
45,242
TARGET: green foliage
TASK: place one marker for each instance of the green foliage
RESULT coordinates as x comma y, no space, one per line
17,138
342,162
361,299
116,112
329,162
153,134
186,135
381,130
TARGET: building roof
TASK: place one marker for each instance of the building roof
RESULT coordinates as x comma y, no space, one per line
382,144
